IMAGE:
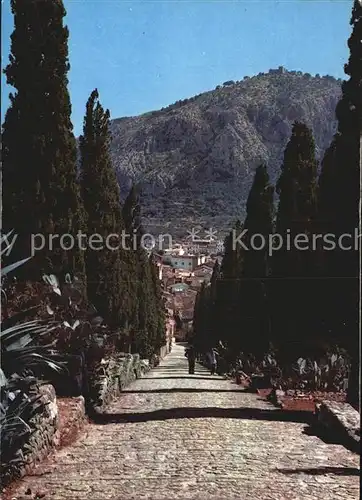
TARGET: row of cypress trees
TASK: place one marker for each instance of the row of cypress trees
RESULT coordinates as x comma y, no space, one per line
47,190
302,301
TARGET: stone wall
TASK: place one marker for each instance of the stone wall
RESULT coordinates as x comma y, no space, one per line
110,377
55,426
44,436
341,420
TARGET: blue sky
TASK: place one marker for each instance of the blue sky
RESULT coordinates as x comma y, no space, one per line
143,55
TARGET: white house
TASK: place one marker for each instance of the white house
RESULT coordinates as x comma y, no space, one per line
186,262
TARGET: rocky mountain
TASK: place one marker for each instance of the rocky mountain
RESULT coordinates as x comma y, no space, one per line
195,159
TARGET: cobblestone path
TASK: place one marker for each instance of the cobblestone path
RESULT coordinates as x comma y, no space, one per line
177,436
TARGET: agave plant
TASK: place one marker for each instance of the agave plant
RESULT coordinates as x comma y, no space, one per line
80,325
18,350
5,247
19,403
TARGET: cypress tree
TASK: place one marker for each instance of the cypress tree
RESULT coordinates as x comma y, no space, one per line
205,322
101,193
215,334
259,220
145,338
253,296
195,320
201,322
297,209
148,332
339,193
131,214
228,291
296,215
40,188
339,182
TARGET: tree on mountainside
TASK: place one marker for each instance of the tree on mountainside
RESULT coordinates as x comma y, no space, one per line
100,193
40,189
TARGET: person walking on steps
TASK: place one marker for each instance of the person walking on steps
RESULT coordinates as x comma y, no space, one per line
191,357
212,361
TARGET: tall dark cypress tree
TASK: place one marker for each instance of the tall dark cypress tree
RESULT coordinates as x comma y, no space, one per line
40,189
253,288
339,182
131,213
149,334
339,193
101,194
259,220
215,334
206,314
146,335
201,321
228,291
297,209
293,268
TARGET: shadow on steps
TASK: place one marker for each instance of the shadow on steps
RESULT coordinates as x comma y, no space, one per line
181,389
328,437
321,471
209,412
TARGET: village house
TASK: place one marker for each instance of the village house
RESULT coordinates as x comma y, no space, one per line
204,269
187,261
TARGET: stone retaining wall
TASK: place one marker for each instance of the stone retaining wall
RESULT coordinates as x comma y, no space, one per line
342,420
111,376
57,427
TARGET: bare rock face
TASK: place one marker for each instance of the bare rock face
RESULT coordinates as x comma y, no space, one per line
196,158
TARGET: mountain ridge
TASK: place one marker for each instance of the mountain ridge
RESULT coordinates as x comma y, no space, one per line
194,160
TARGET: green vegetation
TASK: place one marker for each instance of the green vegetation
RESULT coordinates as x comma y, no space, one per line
41,192
63,310
101,200
294,316
205,155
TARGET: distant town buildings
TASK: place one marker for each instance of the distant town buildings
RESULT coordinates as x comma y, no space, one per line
182,273
187,262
